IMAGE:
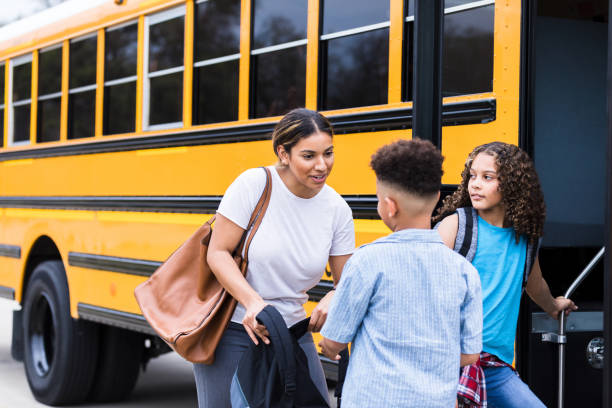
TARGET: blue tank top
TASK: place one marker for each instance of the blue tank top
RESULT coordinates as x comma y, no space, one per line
500,262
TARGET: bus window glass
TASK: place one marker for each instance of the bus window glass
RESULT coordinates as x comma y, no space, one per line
49,94
120,55
166,99
280,81
22,82
83,62
468,52
217,54
357,70
119,108
278,78
164,69
279,22
2,74
166,44
217,29
21,123
81,114
82,92
48,120
455,3
354,64
50,71
340,15
120,52
217,92
22,94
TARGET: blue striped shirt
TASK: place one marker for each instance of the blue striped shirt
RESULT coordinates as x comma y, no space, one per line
410,306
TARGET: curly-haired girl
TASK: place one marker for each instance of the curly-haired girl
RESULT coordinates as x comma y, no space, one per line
496,219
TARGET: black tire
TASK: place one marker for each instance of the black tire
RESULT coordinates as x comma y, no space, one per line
60,352
119,361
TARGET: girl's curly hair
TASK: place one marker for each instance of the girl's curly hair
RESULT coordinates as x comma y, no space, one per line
519,186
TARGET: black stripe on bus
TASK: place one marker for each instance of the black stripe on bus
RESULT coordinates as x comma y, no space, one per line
10,251
130,266
7,293
113,317
458,113
363,206
315,294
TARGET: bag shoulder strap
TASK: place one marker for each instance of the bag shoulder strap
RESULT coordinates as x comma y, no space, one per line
256,217
282,344
467,232
532,253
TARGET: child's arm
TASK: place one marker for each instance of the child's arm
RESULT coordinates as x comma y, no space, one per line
319,313
468,359
538,291
330,348
448,230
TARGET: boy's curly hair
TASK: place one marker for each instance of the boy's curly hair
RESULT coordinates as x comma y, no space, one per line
412,165
519,186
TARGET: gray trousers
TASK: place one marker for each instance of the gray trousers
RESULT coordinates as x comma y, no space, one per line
213,381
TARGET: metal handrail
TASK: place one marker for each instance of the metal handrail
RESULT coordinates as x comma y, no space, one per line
561,339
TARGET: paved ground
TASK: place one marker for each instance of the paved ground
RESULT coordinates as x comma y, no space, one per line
167,382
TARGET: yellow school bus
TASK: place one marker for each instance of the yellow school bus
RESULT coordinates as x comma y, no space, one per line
122,123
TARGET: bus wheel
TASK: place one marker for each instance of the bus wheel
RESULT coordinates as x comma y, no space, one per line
121,353
59,352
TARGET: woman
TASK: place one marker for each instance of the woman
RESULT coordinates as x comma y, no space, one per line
501,187
306,225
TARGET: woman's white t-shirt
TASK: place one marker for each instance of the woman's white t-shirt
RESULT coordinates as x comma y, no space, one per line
297,235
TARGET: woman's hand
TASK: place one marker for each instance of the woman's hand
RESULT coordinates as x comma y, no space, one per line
253,328
319,313
559,304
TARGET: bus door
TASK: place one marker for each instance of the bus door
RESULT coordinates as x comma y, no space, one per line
566,131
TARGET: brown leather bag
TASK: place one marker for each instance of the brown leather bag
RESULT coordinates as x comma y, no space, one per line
190,317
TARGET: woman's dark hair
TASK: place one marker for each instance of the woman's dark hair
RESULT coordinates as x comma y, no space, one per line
414,166
518,184
296,125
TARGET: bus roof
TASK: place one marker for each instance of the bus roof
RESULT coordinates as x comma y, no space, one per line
70,19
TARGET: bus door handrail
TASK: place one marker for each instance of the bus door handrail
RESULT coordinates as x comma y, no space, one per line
560,337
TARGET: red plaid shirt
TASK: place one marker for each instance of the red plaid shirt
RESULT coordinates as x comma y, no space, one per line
472,389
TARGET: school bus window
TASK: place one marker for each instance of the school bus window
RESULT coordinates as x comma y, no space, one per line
342,15
2,68
21,99
278,62
354,54
49,94
467,65
216,56
468,49
120,55
82,93
164,70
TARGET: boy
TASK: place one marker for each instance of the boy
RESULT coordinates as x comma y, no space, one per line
411,306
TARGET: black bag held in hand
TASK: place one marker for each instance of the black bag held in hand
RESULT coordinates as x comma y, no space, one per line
276,375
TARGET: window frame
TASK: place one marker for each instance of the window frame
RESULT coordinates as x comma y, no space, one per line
15,62
150,20
208,62
323,44
254,52
447,11
84,88
46,97
120,81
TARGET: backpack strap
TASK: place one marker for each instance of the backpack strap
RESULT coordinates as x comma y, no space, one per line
467,233
281,342
532,253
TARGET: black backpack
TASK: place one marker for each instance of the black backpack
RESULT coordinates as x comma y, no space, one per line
276,375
